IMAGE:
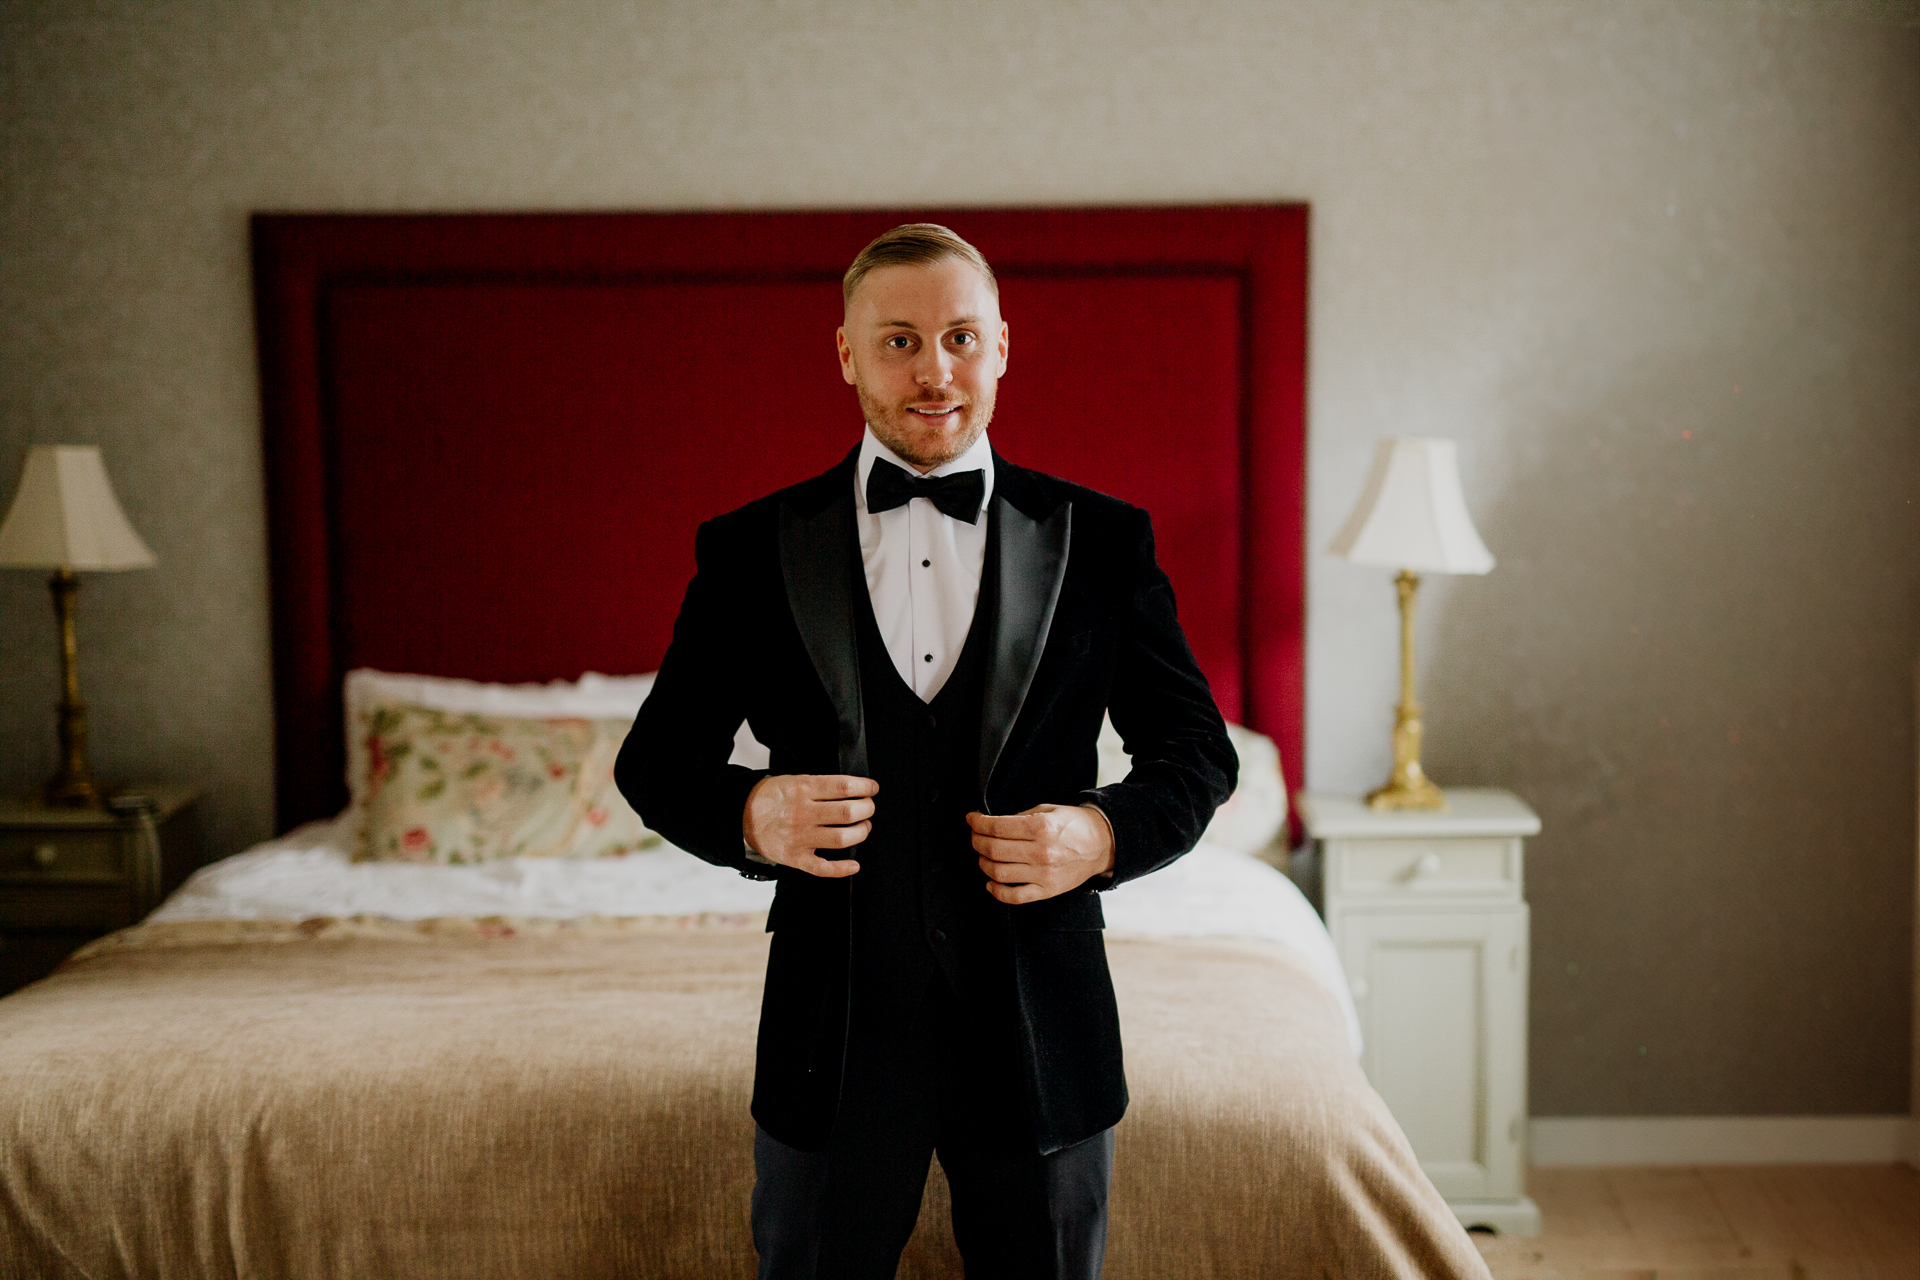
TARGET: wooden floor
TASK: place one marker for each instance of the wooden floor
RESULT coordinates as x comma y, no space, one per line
1797,1222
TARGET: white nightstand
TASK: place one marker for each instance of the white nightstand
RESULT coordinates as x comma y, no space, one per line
1427,912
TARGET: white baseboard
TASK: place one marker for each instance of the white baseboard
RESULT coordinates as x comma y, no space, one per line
1559,1141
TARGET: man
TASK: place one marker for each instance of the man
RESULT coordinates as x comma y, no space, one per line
926,638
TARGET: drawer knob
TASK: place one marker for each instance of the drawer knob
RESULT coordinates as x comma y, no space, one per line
45,855
1429,865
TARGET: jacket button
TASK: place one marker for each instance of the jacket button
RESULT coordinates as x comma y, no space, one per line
939,935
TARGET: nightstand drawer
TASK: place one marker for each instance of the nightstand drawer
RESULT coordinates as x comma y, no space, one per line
70,875
67,906
62,857
1444,867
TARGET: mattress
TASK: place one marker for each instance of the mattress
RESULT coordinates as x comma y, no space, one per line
550,1081
308,875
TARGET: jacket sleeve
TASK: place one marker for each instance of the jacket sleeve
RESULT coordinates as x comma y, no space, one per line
1184,765
673,766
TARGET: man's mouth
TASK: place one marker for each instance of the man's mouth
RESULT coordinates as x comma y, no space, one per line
935,409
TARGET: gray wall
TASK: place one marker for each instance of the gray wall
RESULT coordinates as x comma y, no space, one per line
1563,233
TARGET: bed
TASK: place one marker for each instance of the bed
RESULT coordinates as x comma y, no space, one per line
488,439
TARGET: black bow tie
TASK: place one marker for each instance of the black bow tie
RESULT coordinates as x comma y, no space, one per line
957,495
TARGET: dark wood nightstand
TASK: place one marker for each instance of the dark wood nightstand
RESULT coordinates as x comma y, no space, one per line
68,876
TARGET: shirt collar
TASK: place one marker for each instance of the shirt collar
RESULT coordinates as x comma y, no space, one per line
978,457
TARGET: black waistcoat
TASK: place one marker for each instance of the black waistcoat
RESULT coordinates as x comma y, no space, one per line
920,902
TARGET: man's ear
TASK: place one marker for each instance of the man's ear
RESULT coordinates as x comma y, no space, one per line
846,356
1003,349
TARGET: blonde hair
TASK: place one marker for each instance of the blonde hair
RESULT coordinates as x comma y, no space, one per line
914,244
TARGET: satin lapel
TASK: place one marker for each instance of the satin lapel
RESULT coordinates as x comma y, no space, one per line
1033,564
817,554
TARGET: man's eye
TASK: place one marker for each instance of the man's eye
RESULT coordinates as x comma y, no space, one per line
899,342
963,339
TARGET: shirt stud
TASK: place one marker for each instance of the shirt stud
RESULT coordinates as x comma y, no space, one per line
929,657
926,564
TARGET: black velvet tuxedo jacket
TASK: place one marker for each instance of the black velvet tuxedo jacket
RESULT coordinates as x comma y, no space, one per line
1085,625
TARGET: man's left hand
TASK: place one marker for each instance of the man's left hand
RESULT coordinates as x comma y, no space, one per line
1043,852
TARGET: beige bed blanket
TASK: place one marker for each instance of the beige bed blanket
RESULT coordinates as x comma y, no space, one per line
471,1101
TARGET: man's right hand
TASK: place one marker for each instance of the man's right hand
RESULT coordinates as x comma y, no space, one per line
788,816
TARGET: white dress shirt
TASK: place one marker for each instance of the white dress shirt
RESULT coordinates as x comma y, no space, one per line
923,568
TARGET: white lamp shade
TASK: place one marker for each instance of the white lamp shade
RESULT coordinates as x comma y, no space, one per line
64,515
1412,514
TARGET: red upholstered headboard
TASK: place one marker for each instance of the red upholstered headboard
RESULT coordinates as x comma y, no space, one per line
489,437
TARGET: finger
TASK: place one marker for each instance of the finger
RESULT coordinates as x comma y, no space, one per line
815,865
838,786
1038,852
1009,826
838,813
1013,895
1006,872
836,837
1010,851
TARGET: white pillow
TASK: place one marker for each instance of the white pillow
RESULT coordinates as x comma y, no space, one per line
593,696
616,694
1253,816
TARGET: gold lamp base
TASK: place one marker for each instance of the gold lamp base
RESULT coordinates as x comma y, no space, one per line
1396,795
72,786
1408,787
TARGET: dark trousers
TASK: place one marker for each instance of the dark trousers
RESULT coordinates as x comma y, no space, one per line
940,1079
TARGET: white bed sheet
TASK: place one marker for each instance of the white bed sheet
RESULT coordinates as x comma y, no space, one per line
1212,892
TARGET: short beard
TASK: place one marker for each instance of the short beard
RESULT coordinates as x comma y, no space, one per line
886,421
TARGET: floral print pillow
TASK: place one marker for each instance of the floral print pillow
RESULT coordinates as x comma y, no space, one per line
449,787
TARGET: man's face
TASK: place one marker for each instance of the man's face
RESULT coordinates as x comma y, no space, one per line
925,347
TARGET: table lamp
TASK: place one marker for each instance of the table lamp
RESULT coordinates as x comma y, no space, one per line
1413,517
65,518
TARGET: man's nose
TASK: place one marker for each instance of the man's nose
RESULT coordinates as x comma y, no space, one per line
936,368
